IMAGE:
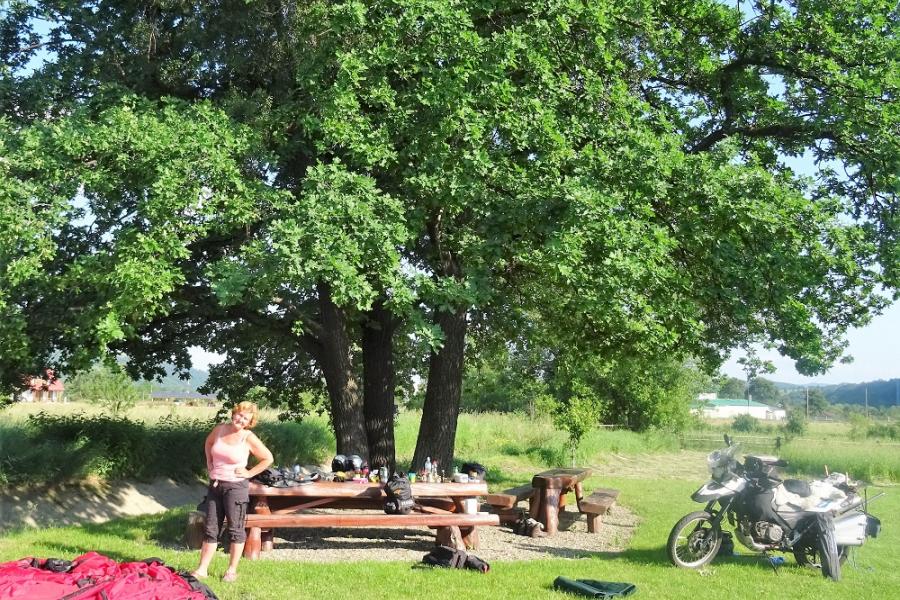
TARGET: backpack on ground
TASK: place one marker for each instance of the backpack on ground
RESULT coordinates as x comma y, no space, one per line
445,556
451,558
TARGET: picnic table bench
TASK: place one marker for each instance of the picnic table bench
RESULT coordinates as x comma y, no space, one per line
547,497
450,508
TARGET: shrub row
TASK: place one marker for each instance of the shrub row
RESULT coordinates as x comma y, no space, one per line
71,447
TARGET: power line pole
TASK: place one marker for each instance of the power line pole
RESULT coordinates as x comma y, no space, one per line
807,403
867,402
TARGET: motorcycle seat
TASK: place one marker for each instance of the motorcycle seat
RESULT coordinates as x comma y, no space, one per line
798,486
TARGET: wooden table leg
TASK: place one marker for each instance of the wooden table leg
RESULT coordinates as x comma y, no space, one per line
254,542
266,537
550,510
534,504
470,537
450,536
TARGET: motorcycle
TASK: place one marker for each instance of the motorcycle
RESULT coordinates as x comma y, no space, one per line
817,521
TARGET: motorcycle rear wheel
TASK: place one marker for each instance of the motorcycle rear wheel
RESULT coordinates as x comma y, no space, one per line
694,541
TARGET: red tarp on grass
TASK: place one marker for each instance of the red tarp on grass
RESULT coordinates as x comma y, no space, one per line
93,576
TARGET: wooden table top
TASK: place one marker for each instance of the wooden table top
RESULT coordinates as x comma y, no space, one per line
560,478
335,489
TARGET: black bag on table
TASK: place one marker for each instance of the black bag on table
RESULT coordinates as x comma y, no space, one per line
473,468
399,495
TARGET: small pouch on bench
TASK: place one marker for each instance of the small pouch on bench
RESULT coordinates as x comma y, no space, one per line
445,556
593,588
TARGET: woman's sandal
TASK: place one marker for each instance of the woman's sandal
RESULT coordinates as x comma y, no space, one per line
229,577
196,575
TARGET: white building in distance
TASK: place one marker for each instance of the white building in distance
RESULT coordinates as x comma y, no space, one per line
728,408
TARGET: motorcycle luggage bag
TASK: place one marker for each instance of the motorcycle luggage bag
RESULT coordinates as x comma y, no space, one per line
850,529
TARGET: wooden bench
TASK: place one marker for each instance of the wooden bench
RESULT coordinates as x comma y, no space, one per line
504,503
597,504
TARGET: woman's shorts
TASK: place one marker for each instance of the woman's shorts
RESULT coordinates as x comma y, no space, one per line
227,499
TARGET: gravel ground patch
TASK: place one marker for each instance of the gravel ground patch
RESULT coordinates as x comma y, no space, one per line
497,544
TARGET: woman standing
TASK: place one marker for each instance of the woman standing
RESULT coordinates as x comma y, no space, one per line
228,446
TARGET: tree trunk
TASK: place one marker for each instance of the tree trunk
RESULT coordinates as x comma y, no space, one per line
437,432
337,366
378,385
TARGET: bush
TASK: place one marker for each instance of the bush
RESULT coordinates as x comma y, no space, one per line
745,424
795,425
71,447
884,430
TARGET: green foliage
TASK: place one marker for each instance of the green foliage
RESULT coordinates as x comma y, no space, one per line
505,380
765,391
111,388
745,424
635,393
733,387
178,173
70,447
796,424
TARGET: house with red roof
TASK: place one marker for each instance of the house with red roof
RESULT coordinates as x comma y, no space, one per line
44,389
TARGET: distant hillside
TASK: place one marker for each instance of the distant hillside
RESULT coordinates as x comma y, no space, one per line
171,382
881,393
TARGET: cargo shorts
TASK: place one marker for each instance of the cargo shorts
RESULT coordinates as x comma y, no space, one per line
227,499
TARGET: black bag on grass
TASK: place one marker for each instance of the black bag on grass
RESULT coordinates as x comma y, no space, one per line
593,588
451,558
445,556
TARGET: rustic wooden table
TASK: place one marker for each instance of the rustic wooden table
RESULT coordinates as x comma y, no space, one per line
551,488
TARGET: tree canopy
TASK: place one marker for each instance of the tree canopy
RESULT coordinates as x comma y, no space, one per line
318,188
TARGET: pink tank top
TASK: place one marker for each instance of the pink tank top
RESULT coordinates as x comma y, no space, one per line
228,457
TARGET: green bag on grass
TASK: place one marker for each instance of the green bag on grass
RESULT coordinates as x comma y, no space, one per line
593,588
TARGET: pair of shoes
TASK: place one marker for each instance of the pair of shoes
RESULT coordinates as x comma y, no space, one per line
529,527
535,528
229,577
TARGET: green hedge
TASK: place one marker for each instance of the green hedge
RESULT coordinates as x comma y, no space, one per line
61,448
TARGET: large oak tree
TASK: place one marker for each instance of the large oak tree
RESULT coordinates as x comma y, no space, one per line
303,184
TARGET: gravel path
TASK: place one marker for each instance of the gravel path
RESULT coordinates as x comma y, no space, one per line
496,543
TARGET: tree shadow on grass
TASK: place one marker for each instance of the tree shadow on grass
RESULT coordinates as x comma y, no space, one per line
165,529
658,556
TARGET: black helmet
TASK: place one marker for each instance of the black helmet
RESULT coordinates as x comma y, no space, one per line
354,462
339,463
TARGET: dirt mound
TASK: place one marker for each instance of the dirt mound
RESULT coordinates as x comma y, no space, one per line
93,502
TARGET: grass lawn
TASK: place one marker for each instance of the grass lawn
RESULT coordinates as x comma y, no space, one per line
871,572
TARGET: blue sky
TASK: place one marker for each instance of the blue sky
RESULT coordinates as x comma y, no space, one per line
875,349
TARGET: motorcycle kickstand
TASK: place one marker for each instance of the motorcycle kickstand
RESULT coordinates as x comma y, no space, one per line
773,562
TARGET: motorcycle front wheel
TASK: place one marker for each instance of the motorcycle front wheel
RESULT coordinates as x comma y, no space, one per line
807,554
694,541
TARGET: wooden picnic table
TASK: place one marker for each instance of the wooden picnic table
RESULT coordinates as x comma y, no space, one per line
550,489
451,508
